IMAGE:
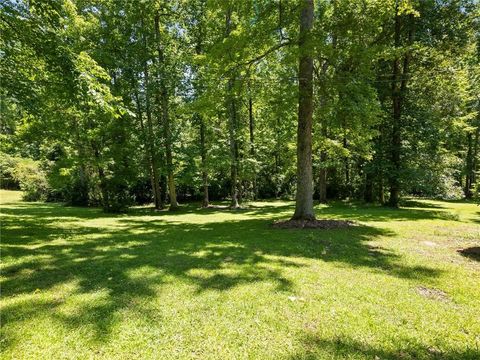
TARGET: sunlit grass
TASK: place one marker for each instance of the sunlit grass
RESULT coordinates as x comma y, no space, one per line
217,284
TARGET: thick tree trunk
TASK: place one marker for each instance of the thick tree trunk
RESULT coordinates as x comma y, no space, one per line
304,195
167,133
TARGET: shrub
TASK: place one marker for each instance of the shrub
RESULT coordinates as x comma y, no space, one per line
7,165
32,179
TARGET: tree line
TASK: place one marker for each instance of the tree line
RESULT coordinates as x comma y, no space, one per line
116,103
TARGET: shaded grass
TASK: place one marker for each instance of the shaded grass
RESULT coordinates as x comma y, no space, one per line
209,283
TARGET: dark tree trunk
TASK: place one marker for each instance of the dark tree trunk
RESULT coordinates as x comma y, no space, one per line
198,90
396,140
381,191
304,195
232,124
322,178
203,153
167,132
475,155
232,129
399,87
346,164
469,168
149,153
251,123
150,136
368,194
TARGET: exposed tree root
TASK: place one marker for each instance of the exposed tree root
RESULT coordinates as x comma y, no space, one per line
313,224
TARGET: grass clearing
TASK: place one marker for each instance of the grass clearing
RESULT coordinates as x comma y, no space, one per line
213,284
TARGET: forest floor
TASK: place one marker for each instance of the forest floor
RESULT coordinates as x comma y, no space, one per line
216,284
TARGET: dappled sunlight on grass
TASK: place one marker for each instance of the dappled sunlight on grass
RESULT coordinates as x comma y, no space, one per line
209,281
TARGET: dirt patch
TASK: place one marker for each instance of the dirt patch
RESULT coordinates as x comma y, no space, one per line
313,224
471,252
433,294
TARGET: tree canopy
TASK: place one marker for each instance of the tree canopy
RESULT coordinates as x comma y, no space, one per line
116,103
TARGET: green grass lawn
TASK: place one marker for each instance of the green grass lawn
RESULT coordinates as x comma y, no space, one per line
214,284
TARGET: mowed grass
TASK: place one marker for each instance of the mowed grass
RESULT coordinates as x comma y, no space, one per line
215,284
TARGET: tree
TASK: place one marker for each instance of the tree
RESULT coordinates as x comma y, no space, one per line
304,194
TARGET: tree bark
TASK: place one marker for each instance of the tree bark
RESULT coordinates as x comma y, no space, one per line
203,154
251,123
368,194
304,195
322,178
475,155
232,117
150,136
399,87
203,146
346,163
149,154
381,191
397,113
167,133
469,167
232,124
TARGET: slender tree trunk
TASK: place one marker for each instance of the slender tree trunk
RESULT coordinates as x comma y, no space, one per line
233,144
475,155
198,90
203,153
322,178
150,136
304,195
105,199
381,190
232,123
368,194
469,167
346,164
167,132
149,153
396,143
251,123
81,194
399,87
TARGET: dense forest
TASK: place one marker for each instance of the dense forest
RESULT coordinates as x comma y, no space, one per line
115,103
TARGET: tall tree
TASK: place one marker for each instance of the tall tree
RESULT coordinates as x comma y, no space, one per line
304,195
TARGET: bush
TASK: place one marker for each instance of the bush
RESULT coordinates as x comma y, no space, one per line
24,174
32,179
7,165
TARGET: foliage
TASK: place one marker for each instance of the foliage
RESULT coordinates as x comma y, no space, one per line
28,174
110,96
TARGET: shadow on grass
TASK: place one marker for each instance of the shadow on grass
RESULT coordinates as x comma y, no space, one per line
47,251
471,252
364,212
342,348
425,204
